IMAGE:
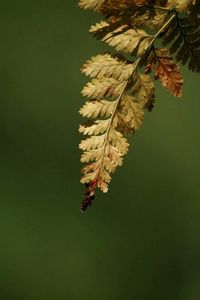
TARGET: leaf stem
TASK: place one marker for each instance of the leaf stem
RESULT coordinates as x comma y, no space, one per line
164,27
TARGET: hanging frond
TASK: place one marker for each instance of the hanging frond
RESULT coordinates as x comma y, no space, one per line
120,91
117,109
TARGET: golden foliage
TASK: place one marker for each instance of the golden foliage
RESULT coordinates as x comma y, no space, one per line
107,66
169,73
166,70
129,40
91,4
120,91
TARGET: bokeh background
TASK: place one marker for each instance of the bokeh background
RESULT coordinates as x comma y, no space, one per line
139,241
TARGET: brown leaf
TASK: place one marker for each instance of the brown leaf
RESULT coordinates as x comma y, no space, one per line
168,72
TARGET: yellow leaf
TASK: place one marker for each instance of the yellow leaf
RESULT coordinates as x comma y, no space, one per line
101,88
107,66
94,109
133,41
91,4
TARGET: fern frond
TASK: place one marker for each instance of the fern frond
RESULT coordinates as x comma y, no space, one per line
91,4
103,87
129,40
106,146
144,87
107,66
133,111
101,26
137,13
105,149
119,91
169,73
184,36
166,70
94,109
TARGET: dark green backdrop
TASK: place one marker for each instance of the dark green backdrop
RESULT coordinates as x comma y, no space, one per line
141,240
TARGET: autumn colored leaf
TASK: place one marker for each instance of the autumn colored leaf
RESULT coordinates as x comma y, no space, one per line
167,71
120,89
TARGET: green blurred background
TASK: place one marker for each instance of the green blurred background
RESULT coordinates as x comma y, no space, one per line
139,241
